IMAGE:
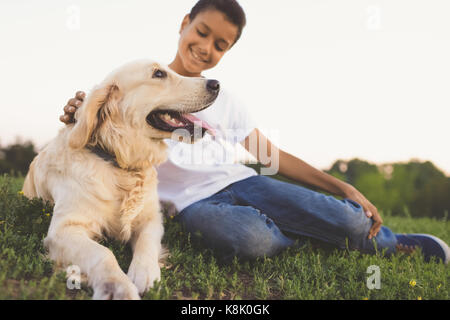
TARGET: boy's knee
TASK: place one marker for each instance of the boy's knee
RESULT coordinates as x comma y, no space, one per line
260,244
356,229
256,248
252,246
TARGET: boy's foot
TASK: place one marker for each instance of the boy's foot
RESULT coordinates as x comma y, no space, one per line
431,246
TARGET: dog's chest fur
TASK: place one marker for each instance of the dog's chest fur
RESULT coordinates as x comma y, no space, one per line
136,195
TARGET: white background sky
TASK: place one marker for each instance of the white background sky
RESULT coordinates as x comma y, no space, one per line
336,78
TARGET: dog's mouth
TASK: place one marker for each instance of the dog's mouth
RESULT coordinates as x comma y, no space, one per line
169,121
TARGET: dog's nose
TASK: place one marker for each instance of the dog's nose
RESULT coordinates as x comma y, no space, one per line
213,85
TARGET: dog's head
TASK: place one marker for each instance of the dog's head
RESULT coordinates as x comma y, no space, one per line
141,103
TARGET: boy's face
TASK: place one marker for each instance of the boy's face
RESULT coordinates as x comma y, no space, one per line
204,41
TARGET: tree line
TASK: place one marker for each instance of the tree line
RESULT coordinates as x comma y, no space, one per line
16,158
414,188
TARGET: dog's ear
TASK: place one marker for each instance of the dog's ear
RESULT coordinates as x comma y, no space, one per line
101,100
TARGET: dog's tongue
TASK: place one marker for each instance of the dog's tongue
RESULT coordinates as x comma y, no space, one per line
196,121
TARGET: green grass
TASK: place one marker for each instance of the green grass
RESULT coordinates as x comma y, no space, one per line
192,272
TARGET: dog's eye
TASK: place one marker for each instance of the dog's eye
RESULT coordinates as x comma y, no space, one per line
159,74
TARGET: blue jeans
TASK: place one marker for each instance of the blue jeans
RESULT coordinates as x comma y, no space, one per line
252,217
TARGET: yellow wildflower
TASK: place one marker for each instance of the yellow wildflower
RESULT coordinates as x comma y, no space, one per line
20,193
439,286
412,283
419,298
365,298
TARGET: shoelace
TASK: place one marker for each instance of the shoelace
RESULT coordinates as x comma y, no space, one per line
405,248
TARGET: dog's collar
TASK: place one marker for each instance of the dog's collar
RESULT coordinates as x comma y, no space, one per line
105,155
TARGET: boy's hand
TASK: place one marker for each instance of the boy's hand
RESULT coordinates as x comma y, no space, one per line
72,106
369,209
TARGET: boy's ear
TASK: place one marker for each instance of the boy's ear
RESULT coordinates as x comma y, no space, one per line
186,21
87,116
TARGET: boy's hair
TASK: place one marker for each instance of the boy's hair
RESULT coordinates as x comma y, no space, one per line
231,8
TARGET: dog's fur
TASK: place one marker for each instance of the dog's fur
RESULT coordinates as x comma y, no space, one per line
92,197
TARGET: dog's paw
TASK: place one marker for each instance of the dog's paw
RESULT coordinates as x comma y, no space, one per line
144,275
115,289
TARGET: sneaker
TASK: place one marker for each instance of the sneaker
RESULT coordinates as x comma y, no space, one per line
431,246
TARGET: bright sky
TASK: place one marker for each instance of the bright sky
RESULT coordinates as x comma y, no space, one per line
333,79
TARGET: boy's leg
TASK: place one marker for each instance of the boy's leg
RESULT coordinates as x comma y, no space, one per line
308,213
233,230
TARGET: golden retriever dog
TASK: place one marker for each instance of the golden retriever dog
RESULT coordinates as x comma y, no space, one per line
100,173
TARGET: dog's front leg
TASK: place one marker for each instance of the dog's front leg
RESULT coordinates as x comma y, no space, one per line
71,244
146,243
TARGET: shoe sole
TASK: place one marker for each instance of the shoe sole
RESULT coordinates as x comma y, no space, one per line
443,245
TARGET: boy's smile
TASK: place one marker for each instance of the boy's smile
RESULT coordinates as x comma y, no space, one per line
197,56
203,42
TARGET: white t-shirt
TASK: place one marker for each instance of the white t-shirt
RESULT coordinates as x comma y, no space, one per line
196,171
